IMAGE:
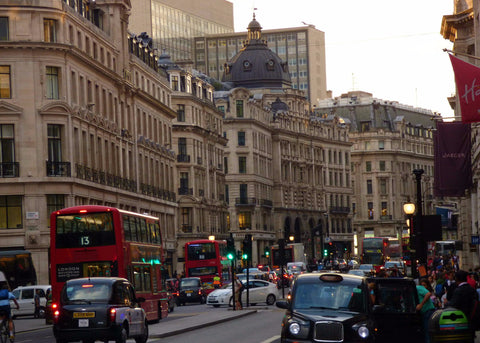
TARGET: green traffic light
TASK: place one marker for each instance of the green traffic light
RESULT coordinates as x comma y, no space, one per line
245,256
230,256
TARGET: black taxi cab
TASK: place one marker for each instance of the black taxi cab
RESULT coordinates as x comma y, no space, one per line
99,308
334,307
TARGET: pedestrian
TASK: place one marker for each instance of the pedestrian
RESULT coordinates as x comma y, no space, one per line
5,297
238,293
216,281
464,295
36,300
425,306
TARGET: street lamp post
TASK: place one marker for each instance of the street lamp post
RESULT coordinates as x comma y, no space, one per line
409,209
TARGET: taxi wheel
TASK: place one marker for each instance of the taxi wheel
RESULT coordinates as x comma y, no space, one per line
123,336
144,337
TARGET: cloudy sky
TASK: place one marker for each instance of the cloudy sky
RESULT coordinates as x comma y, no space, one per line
392,49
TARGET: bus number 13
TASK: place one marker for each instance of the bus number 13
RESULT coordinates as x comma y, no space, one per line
84,240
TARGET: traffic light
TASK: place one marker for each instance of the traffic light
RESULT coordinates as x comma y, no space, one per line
325,252
266,252
247,247
230,248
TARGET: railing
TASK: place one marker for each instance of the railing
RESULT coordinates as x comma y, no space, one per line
266,203
185,191
9,169
339,209
245,201
58,169
183,158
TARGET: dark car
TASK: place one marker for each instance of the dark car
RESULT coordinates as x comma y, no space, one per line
191,290
333,307
99,308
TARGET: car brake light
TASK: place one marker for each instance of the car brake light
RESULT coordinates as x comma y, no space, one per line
112,314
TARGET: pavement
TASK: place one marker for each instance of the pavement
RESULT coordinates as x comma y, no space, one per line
169,327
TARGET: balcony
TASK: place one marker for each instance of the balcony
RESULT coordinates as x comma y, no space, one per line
187,229
339,210
266,203
59,169
9,169
183,158
185,191
245,201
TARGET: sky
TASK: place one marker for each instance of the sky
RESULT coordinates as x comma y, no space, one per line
392,49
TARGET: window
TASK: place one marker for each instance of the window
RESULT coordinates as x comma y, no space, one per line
384,208
52,83
186,226
382,165
221,109
181,113
10,212
243,191
368,166
7,151
381,145
54,143
183,181
241,138
383,186
182,146
369,187
239,108
242,164
5,86
370,210
3,28
55,202
244,220
175,83
49,30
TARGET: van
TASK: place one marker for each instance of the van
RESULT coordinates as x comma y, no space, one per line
25,298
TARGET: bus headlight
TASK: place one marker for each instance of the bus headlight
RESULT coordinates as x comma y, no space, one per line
363,332
294,328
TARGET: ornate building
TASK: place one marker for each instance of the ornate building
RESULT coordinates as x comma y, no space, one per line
285,169
390,140
85,118
199,144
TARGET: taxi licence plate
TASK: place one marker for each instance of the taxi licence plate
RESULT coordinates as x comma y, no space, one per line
83,315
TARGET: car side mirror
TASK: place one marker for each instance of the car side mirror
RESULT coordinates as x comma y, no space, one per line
282,304
140,300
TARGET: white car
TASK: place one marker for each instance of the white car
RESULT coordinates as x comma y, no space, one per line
260,291
25,298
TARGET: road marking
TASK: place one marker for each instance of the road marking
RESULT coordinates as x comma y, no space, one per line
271,339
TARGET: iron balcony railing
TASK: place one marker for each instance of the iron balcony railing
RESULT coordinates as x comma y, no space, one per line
58,169
245,201
9,169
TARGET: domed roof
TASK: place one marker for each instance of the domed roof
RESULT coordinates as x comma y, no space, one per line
165,62
255,65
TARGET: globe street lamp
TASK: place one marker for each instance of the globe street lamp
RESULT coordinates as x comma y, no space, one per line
409,209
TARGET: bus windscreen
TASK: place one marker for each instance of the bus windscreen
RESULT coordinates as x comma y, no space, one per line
82,230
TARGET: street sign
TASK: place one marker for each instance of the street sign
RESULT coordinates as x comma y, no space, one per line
475,240
327,239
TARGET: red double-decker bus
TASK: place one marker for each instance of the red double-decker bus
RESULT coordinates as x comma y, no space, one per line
106,241
204,259
375,251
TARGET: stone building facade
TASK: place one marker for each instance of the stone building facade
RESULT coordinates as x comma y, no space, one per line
198,141
286,169
461,28
389,140
85,118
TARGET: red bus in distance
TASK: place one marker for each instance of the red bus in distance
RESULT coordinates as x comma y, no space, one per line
204,259
106,241
378,250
